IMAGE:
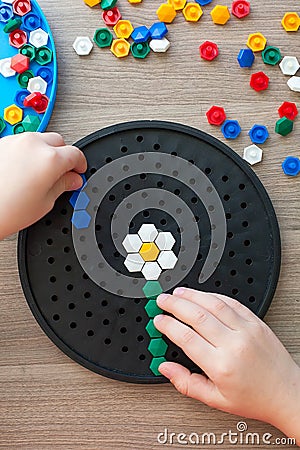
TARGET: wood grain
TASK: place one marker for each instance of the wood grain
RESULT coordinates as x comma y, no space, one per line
46,400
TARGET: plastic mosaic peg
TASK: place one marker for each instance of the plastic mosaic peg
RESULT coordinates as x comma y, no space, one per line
284,126
152,331
152,289
166,13
216,115
92,3
155,363
289,65
83,45
103,37
294,84
271,55
203,2
141,34
192,12
165,240
252,154
290,21
159,45
258,134
178,5
259,81
148,232
37,101
149,251
37,84
123,29
17,38
231,129
120,48
111,17
151,271
108,4
208,50
38,38
21,7
5,68
134,262
220,14
152,309
132,243
291,166
28,50
256,42
240,8
81,219
13,114
158,30
31,123
167,259
288,109
245,57
157,347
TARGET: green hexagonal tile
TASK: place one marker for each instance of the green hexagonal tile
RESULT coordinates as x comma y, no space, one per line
23,78
103,37
140,49
284,126
28,50
31,123
108,4
152,331
2,125
152,309
271,55
152,289
43,55
155,363
157,347
18,128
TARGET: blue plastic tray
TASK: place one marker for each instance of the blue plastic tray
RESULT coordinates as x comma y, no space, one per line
10,87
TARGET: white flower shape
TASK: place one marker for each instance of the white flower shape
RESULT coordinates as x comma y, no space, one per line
149,251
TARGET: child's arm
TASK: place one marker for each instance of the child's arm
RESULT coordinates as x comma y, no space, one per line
249,371
34,170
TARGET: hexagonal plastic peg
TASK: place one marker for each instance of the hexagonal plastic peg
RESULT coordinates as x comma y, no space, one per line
140,34
18,128
294,84
132,243
256,42
155,363
208,50
31,22
259,81
23,78
157,347
258,134
149,251
152,331
108,4
111,17
81,219
140,50
37,84
92,3
203,2
165,240
2,125
166,13
231,129
289,65
123,29
158,30
5,68
17,38
167,259
240,8
271,55
13,114
159,45
192,12
12,25
45,73
246,57
28,50
103,37
151,271
284,126
151,307
37,101
21,7
216,115
134,2
120,48
134,262
288,109
152,289
31,123
148,232
43,56
178,5
38,38
220,14
6,13
252,154
82,201
291,21
291,166
83,45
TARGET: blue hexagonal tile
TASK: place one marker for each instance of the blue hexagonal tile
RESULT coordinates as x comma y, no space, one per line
82,201
81,219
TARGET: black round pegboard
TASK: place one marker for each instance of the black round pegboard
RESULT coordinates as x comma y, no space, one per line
101,324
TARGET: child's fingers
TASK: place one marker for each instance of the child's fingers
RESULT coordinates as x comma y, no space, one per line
193,314
68,182
72,159
192,385
214,304
53,139
239,308
194,346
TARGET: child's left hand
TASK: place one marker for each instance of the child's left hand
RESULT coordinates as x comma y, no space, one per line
249,372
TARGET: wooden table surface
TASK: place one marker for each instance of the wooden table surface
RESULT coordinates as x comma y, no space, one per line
46,400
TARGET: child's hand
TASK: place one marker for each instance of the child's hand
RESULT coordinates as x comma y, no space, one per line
35,169
249,371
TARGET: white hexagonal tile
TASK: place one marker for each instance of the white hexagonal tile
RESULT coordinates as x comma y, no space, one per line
38,38
159,45
148,232
83,45
289,65
167,260
165,240
37,84
132,243
294,84
252,154
151,271
134,262
5,68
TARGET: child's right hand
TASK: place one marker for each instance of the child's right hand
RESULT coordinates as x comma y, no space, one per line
249,372
35,169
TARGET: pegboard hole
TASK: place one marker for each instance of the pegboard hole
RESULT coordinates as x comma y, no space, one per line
146,213
231,253
194,200
104,303
226,197
127,186
107,341
87,294
123,330
63,212
139,138
65,230
248,261
140,338
174,153
251,299
106,322
250,280
90,333
66,249
70,287
138,319
247,243
121,311
233,272
112,198
142,357
124,349
177,192
225,178
48,222
160,184
52,279
218,283
137,301
73,325
163,222
235,291
108,160
124,149
156,146
230,235
89,314
242,186
71,306
93,170
56,317
228,216
49,241
207,170
51,260
174,354
68,268
85,276
54,298
243,205
245,224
